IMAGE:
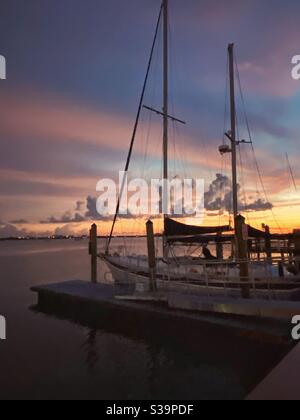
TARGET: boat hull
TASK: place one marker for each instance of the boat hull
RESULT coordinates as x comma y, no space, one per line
126,276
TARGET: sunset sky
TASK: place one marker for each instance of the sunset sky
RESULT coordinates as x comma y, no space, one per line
75,70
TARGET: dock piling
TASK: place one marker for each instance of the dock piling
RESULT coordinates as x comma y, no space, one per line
93,248
297,248
268,244
219,247
242,245
151,255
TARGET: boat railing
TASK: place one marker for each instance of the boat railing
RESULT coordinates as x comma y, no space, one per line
262,280
219,276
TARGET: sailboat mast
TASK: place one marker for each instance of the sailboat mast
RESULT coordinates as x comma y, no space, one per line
166,87
166,198
233,130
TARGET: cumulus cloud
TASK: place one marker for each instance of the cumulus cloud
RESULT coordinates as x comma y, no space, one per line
79,206
92,213
258,205
91,208
67,217
8,230
69,230
19,222
11,231
79,216
219,197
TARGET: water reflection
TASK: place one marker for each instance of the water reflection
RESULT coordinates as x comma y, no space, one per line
90,348
126,359
58,353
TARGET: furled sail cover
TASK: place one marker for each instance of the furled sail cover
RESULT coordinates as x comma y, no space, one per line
255,233
259,234
173,228
201,239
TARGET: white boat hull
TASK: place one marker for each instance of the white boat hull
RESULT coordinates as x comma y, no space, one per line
171,283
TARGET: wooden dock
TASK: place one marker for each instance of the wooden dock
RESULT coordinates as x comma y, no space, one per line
108,302
283,383
254,308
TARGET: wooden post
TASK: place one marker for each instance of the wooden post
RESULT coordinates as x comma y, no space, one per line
151,255
258,248
93,253
290,251
242,245
268,244
250,248
280,269
297,248
219,247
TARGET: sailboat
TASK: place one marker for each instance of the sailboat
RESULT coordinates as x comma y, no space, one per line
245,272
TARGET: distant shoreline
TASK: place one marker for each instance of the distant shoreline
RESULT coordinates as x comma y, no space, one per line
67,238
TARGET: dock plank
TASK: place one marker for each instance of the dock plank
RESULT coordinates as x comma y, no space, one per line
281,310
283,383
106,295
80,289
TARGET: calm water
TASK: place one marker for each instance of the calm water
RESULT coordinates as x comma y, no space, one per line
49,358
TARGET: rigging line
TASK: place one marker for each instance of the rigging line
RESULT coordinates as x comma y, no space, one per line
175,127
174,149
182,157
223,164
136,223
152,100
252,145
171,91
291,171
243,187
172,66
223,157
135,126
176,130
288,177
243,178
241,163
254,167
226,100
263,187
147,166
249,130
